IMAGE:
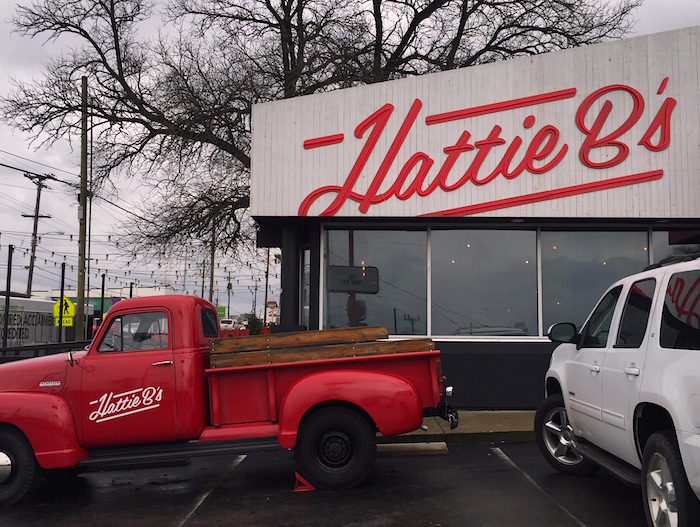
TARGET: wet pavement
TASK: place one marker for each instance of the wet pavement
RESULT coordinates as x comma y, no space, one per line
492,484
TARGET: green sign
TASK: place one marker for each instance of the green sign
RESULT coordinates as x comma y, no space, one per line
221,311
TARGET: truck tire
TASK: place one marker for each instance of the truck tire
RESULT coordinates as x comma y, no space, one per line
19,472
668,497
554,438
336,448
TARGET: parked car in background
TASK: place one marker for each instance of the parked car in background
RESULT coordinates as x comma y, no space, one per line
623,393
226,324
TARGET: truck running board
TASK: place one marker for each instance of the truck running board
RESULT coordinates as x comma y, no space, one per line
171,452
617,467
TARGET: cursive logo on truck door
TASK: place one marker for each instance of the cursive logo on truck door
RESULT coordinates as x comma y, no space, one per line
116,405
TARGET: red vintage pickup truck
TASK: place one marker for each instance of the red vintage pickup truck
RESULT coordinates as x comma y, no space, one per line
157,384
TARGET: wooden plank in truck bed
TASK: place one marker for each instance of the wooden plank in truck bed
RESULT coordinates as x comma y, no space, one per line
314,352
298,339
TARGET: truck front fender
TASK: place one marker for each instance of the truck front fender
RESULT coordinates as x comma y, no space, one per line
391,401
47,422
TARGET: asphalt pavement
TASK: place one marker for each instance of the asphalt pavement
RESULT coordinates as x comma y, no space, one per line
474,485
486,472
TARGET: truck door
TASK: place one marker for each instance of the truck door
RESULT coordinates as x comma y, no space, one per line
585,370
624,363
128,383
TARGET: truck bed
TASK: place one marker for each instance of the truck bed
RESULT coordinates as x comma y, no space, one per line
249,376
310,345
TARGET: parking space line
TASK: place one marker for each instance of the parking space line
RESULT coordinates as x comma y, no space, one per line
198,502
504,457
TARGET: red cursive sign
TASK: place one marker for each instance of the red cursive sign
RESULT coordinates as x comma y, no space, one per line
543,153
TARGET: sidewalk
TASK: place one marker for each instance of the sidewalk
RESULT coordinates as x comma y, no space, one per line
487,426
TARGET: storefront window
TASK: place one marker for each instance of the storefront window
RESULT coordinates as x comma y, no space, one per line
675,243
577,267
374,278
484,282
305,288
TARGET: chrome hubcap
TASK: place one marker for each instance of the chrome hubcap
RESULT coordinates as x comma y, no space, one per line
5,467
558,436
661,493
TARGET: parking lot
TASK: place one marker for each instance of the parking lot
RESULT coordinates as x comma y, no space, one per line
473,485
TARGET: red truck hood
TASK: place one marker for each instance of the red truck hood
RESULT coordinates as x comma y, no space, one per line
41,374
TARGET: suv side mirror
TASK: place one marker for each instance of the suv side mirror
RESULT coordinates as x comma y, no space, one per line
562,332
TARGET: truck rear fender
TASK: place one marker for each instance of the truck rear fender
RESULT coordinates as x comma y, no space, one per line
390,401
47,422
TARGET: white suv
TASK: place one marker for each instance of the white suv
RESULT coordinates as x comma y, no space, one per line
623,393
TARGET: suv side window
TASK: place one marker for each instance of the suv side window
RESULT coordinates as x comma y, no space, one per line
680,321
595,333
635,316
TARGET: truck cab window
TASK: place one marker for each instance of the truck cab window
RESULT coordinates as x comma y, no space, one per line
209,324
139,331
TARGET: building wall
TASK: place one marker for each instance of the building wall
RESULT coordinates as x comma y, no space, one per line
601,140
604,131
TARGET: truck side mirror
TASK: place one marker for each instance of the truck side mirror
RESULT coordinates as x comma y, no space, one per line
562,332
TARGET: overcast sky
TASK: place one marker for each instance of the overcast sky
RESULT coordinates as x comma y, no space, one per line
22,58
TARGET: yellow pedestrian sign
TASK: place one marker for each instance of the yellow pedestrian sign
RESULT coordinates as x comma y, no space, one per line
64,309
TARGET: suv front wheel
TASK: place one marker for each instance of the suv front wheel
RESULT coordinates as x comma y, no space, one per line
555,436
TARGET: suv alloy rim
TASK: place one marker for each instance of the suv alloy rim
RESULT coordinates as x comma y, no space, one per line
558,436
661,492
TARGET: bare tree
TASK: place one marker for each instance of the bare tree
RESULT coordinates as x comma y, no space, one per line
171,97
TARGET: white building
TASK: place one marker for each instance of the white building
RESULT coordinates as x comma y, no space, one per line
481,205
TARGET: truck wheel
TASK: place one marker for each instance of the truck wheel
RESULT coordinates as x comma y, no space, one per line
19,471
336,448
554,437
668,497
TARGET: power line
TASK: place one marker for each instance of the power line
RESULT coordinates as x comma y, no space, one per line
38,163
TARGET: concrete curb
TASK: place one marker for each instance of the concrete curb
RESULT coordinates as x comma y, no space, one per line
412,449
487,426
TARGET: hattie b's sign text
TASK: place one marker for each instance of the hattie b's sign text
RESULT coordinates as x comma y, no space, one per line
542,154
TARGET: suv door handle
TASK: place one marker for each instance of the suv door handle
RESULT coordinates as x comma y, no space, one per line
163,363
594,367
631,370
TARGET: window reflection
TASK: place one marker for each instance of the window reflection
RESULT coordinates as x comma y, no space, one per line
577,267
400,304
675,243
484,282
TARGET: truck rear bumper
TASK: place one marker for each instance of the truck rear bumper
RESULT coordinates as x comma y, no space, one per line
445,411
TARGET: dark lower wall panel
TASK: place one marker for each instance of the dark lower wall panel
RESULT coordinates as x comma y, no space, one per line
495,375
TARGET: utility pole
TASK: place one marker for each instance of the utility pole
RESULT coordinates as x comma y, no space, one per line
6,318
228,303
82,217
267,282
213,252
39,182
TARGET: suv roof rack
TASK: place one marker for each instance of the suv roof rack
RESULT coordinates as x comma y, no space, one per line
676,258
